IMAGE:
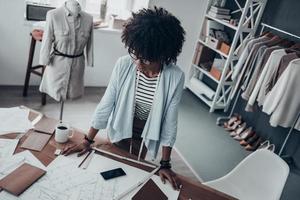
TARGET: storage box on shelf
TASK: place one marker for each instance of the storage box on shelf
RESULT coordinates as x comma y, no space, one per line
213,42
225,48
212,39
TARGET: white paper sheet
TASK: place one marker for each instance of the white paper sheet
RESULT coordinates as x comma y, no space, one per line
7,147
65,181
14,119
13,162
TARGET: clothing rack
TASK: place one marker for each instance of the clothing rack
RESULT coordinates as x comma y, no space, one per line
278,30
221,119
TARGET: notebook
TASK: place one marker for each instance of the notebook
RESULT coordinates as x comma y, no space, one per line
46,125
21,178
150,191
35,141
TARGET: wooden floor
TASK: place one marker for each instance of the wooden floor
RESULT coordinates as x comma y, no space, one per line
78,113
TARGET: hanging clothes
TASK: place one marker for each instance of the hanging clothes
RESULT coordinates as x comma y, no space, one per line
245,55
239,70
258,67
259,63
253,53
283,101
285,60
65,38
264,78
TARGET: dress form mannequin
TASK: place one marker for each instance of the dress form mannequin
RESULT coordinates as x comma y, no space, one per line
67,44
74,7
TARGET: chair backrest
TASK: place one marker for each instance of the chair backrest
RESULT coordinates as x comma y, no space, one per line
261,175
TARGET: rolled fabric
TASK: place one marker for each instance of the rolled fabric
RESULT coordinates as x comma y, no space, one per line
202,88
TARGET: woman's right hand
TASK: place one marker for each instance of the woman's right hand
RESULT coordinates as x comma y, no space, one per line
82,148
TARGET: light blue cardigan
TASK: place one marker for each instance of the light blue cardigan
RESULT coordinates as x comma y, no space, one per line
115,110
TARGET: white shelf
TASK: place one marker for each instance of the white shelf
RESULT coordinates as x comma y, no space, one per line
210,76
206,73
221,22
205,100
226,23
225,86
214,49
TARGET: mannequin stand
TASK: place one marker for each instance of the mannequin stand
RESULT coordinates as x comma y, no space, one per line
61,110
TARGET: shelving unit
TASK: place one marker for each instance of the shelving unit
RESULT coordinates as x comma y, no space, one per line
249,17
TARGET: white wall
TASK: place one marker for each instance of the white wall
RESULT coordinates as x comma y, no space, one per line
15,42
191,15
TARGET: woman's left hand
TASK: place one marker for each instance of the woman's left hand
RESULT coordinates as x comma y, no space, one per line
171,177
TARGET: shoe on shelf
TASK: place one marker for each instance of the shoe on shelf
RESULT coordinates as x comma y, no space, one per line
254,146
234,126
239,130
233,119
247,133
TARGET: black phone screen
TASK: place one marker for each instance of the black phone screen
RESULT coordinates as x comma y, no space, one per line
113,173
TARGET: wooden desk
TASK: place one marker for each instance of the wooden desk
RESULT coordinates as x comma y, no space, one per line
190,189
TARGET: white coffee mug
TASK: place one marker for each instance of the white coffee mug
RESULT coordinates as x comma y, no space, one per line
62,133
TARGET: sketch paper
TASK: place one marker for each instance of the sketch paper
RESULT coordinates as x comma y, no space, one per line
65,181
14,120
7,147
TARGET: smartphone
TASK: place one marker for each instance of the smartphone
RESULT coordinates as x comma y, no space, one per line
113,173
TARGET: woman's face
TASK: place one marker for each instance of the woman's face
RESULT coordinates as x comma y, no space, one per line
143,64
146,67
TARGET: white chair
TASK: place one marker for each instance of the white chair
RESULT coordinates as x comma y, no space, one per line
261,175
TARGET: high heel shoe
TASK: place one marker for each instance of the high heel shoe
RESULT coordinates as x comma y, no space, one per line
247,133
234,126
239,130
254,146
249,140
233,119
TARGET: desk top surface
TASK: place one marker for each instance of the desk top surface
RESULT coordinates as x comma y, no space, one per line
190,189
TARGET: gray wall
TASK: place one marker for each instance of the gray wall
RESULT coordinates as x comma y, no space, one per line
283,14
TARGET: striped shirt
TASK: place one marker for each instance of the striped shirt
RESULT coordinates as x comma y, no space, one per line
144,95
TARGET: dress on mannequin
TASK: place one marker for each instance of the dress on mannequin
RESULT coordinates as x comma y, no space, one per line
68,32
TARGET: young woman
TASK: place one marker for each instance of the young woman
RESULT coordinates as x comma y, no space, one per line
140,104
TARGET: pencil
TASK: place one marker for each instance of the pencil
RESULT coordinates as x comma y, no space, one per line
84,159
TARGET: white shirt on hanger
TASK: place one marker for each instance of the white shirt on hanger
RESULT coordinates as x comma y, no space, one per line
283,101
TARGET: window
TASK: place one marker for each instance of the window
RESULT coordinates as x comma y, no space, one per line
121,8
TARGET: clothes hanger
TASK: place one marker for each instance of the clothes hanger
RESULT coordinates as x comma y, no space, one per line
296,46
269,35
286,43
